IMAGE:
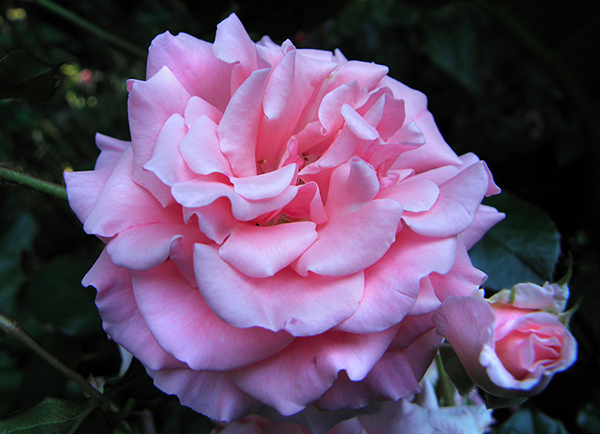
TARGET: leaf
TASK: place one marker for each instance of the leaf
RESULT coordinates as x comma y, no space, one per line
23,75
531,421
134,383
55,416
55,295
18,237
524,247
455,370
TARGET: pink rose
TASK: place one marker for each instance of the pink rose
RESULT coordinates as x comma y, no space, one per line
513,344
280,227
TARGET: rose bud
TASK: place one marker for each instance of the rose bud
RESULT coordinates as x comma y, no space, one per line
512,344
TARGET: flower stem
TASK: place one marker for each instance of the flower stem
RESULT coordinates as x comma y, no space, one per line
11,327
86,25
32,182
444,387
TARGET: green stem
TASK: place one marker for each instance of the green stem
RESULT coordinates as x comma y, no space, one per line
444,387
32,182
86,25
11,327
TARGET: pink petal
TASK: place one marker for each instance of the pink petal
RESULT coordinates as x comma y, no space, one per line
392,117
262,251
287,93
266,186
193,63
427,300
457,204
122,204
239,127
462,279
215,219
233,45
415,195
485,219
112,149
358,125
209,393
200,149
392,283
307,305
121,318
307,204
304,370
143,247
83,190
166,162
352,241
198,107
200,192
150,104
367,75
352,184
467,323
183,324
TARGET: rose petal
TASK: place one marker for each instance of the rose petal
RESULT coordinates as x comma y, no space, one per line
265,186
238,128
457,204
122,203
183,324
352,241
304,370
262,251
150,104
167,162
209,393
308,305
121,318
192,61
200,149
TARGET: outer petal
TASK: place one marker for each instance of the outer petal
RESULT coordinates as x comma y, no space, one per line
300,305
193,63
392,283
468,324
121,317
457,204
122,203
209,393
184,325
150,104
485,219
301,373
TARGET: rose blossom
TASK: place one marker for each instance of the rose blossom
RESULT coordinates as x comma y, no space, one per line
512,344
280,227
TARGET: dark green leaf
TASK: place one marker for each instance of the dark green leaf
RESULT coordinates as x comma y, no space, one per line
54,416
522,248
135,383
531,421
22,75
19,237
494,402
455,370
55,295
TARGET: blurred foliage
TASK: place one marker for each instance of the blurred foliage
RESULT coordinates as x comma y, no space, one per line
515,82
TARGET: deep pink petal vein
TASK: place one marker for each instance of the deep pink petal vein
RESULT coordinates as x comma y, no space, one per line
281,227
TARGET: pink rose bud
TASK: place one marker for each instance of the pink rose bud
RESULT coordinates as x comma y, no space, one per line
512,344
280,228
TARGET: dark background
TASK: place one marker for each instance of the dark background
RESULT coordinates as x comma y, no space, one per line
515,82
